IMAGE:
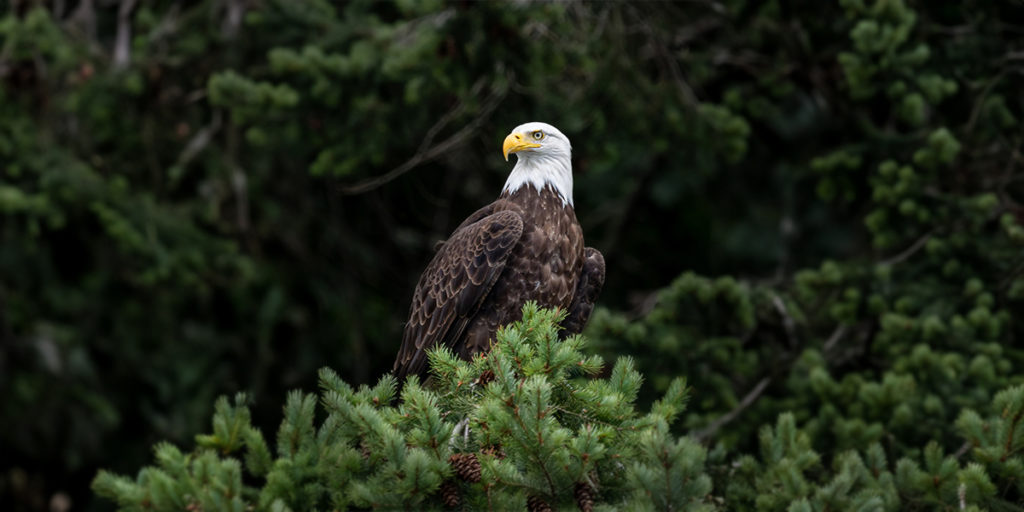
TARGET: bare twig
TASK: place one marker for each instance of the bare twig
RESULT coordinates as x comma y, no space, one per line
721,421
428,152
83,20
123,44
695,30
455,111
964,448
233,18
1012,274
787,320
240,185
686,93
909,251
835,337
239,180
981,100
647,303
199,141
58,9
407,33
165,29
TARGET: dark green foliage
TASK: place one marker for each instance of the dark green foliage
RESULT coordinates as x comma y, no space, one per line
538,427
811,210
876,355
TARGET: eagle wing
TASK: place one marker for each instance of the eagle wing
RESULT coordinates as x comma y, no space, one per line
454,285
588,287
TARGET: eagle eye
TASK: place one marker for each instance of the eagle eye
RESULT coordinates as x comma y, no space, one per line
538,135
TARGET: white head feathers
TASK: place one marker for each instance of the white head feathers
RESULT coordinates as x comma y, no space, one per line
544,158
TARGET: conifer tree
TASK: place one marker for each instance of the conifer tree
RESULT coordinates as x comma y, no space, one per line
529,427
526,426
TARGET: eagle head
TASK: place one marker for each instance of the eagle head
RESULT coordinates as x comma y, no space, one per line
536,139
544,159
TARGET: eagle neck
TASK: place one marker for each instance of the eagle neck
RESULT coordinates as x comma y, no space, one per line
538,171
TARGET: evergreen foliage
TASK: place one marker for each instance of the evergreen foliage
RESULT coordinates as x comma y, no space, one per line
529,425
811,210
525,423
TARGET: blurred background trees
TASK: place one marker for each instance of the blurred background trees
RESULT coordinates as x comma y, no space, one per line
808,207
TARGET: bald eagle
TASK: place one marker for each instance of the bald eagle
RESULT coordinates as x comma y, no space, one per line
527,245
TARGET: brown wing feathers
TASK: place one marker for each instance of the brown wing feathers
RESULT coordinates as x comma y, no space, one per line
587,289
454,285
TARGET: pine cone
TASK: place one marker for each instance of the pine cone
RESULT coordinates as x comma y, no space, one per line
485,377
494,451
584,496
536,504
466,466
450,493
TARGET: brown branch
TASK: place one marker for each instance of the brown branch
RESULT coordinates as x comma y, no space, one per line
233,18
686,94
83,20
964,448
909,251
721,421
1012,275
981,100
787,321
199,141
240,185
455,111
427,152
58,9
834,338
239,181
123,43
166,28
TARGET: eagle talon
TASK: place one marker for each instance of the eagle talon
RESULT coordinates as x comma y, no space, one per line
461,427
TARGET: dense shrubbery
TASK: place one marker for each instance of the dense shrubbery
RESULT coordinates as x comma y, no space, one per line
520,428
527,427
808,210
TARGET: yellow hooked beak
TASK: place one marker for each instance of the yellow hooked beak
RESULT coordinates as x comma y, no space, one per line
516,142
